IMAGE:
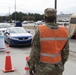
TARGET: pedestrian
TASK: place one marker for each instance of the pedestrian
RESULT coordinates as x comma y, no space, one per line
50,47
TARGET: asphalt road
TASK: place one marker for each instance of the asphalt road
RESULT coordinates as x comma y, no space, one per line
18,55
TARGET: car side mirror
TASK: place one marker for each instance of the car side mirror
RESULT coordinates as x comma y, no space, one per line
8,33
28,31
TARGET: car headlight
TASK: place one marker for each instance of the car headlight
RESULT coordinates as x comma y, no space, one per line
14,38
30,37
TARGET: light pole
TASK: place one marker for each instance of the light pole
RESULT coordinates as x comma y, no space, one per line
55,4
9,12
15,10
56,9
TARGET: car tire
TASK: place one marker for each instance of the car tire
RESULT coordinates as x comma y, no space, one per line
6,42
9,44
73,37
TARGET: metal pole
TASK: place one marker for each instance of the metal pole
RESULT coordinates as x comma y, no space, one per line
9,10
55,4
15,10
56,9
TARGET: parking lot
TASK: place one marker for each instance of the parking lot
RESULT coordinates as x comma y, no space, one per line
18,55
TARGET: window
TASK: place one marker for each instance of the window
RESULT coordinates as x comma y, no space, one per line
73,21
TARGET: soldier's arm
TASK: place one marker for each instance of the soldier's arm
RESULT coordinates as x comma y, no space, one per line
65,53
34,54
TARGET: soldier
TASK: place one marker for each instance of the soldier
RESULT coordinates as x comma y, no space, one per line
50,47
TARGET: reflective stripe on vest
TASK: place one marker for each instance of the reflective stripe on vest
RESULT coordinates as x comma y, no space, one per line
41,39
51,58
50,55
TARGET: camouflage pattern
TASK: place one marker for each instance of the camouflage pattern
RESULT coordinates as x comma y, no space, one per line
50,12
40,68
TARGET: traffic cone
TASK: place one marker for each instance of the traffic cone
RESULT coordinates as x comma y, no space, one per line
26,68
8,64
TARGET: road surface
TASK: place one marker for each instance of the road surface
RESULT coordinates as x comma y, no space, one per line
18,55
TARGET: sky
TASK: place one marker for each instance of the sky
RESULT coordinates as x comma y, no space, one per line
36,6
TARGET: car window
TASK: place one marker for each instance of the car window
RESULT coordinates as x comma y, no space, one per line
11,31
73,21
4,26
17,30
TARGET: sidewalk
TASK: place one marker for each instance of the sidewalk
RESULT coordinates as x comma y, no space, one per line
70,65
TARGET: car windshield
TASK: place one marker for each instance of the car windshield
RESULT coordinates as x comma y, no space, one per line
4,25
17,30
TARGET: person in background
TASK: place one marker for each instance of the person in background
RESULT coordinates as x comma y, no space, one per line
50,47
18,24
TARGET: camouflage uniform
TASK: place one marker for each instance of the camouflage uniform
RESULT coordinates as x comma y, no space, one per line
40,68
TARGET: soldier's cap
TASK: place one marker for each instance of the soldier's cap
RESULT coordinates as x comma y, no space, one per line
50,12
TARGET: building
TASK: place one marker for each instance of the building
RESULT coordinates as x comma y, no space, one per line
63,17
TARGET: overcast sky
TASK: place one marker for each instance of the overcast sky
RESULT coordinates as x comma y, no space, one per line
36,6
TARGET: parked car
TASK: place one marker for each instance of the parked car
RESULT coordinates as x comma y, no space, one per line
16,36
38,23
63,22
25,22
4,26
72,26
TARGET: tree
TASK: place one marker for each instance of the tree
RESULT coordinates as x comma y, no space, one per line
23,16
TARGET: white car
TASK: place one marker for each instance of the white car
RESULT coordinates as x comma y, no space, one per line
25,22
4,26
63,22
38,23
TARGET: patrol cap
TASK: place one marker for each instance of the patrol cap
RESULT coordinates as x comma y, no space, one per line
50,12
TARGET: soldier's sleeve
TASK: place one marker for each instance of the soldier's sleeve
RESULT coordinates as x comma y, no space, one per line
65,52
34,54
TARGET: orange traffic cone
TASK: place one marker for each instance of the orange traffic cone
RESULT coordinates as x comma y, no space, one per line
8,64
26,68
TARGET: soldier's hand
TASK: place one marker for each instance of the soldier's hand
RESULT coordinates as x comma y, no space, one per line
31,71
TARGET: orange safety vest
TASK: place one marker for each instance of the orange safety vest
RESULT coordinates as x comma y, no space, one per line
51,43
